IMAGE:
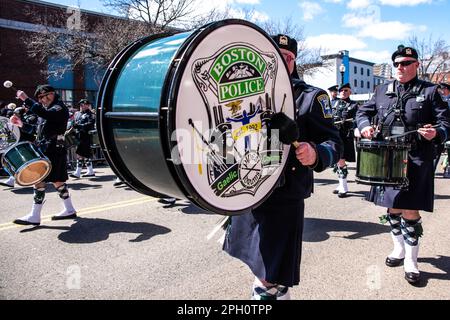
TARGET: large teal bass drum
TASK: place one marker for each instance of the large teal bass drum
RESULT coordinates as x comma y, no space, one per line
186,115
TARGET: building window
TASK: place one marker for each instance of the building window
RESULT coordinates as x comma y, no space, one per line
368,84
368,72
66,96
362,84
362,71
356,69
356,82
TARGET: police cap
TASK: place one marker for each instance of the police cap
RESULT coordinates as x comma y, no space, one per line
285,42
346,85
43,88
403,51
84,101
333,88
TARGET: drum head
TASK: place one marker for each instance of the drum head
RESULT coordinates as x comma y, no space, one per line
186,115
33,172
232,82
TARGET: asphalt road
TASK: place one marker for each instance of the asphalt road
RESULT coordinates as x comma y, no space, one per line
128,246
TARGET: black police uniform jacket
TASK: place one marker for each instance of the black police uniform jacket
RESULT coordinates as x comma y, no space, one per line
51,135
84,122
423,105
346,110
269,238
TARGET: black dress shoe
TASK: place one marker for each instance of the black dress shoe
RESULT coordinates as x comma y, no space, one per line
6,185
88,175
393,262
70,216
335,191
342,195
412,277
26,223
74,176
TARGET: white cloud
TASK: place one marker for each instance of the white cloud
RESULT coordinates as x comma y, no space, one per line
310,10
399,3
372,56
333,43
390,30
359,4
352,20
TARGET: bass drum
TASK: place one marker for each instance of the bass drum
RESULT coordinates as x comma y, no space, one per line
185,115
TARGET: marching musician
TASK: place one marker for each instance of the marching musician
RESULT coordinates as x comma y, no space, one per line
50,140
27,133
269,238
84,121
404,105
344,112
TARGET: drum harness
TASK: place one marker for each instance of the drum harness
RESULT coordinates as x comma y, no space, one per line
397,126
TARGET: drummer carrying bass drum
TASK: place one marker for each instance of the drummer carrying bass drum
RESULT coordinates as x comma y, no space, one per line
84,122
50,140
407,104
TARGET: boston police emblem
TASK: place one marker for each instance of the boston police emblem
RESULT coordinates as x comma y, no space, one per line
326,106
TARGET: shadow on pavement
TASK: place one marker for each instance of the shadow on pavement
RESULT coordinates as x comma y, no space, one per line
323,182
89,230
317,230
441,263
441,197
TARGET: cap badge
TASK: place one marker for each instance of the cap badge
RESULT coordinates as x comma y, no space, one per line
284,40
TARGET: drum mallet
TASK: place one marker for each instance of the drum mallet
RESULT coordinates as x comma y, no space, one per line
287,127
8,84
407,132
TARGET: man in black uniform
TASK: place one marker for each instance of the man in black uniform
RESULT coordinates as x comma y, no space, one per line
407,104
51,142
344,112
269,238
27,133
83,123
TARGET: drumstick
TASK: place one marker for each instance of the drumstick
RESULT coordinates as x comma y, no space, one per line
406,133
282,105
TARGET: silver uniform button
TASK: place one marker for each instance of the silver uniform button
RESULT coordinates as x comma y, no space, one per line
293,169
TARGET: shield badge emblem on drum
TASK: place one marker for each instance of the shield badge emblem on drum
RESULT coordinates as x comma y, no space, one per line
223,84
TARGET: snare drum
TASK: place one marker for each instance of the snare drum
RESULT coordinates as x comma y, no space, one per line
382,163
94,138
26,163
184,115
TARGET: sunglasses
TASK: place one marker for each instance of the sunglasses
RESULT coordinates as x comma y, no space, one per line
404,63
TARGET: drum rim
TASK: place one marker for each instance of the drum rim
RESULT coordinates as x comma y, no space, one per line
374,143
171,99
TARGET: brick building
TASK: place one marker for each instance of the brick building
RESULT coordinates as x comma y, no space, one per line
16,22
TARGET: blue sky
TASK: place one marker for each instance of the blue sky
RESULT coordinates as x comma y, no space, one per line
369,29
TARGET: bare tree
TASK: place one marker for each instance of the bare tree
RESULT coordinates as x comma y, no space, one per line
158,14
433,56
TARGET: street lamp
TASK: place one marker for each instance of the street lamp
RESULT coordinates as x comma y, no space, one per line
342,71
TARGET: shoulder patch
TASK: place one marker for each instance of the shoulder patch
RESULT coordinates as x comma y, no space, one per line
57,107
324,101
